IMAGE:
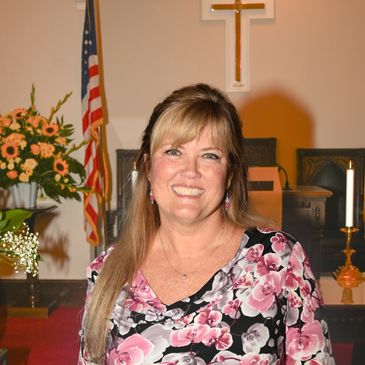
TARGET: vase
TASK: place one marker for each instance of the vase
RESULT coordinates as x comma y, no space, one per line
24,195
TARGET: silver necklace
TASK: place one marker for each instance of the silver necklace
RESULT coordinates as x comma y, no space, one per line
185,275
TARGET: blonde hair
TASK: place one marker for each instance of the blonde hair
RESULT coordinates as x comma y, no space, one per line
181,117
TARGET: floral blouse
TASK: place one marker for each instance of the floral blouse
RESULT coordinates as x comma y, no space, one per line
262,308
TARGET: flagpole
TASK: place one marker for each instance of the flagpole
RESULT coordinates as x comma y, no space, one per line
94,115
105,169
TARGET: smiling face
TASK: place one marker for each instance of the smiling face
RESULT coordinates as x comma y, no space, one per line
189,181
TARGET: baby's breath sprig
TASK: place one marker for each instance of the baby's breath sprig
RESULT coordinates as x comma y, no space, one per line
21,249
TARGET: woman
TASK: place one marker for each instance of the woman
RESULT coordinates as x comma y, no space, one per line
190,280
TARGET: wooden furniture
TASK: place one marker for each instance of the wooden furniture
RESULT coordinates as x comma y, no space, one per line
304,211
327,168
56,293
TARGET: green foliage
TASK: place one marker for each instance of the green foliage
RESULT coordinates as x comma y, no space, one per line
12,219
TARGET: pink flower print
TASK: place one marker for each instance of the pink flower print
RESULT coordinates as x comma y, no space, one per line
135,304
279,242
186,319
141,295
305,288
267,263
299,263
294,300
263,294
182,358
254,253
310,304
315,362
320,359
209,317
255,338
244,281
193,333
255,359
302,344
308,273
291,279
226,357
232,308
218,337
132,351
265,229
97,263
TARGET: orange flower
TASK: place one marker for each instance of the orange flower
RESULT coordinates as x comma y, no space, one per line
60,166
18,113
14,125
35,120
49,129
5,122
9,150
46,149
35,149
29,165
12,174
61,140
23,177
16,138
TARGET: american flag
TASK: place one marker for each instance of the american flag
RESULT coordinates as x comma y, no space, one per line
92,119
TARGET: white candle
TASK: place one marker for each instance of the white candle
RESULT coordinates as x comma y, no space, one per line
134,176
350,195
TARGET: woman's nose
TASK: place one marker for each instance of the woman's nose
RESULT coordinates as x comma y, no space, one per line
191,167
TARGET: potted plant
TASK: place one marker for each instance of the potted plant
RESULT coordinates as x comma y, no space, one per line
35,152
18,246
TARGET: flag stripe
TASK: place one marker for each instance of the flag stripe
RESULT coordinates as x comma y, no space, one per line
92,112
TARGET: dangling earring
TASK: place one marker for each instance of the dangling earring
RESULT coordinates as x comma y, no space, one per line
151,197
227,201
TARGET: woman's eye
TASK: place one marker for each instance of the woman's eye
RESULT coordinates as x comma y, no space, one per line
173,152
211,156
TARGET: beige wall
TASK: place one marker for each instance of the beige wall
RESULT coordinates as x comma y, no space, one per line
307,79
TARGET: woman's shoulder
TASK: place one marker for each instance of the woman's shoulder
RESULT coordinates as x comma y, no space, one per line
264,245
270,239
95,266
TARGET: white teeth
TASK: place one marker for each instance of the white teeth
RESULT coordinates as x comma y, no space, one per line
181,190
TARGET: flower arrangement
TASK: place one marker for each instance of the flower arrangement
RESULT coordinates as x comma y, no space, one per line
36,148
18,246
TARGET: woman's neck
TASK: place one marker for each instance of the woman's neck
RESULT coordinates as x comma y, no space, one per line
186,241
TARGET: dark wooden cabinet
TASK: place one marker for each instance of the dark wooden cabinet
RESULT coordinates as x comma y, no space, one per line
304,214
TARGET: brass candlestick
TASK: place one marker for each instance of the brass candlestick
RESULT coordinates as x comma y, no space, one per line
348,276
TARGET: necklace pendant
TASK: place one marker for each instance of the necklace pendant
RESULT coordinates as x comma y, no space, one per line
184,276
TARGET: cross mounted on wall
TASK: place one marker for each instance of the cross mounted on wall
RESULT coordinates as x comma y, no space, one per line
237,17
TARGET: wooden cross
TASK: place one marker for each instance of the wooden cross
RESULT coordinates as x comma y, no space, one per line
237,16
238,7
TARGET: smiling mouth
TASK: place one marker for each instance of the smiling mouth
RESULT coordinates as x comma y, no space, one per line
185,191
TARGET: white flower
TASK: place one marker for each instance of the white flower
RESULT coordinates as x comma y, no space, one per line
21,249
160,337
255,338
